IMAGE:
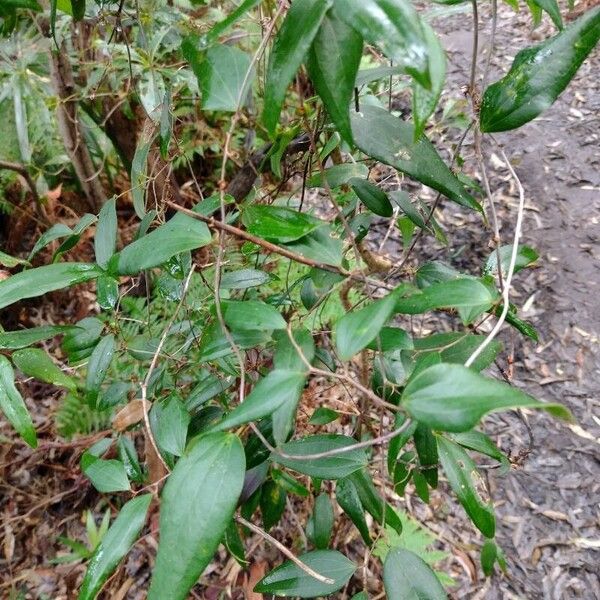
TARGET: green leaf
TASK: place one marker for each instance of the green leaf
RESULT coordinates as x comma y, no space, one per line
538,76
425,101
197,504
272,504
223,78
322,521
349,500
525,257
26,4
489,553
13,340
139,176
289,483
279,387
8,261
406,576
230,19
180,234
355,330
106,475
551,7
278,223
115,544
84,335
251,314
322,416
78,9
386,138
333,62
107,292
478,441
105,240
243,279
391,338
372,197
392,25
129,458
338,175
12,404
98,366
36,363
36,282
319,245
465,480
172,425
289,50
454,398
426,447
290,580
336,466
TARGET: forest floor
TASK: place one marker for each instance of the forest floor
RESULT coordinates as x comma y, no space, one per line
547,505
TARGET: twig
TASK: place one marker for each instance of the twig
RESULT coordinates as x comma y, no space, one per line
308,570
21,170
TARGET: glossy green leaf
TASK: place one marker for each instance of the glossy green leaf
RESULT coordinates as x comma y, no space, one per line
243,279
397,443
333,62
171,427
338,175
180,234
454,398
84,335
98,365
272,504
525,257
279,387
391,338
36,363
105,240
538,76
321,522
347,497
214,343
386,138
372,197
478,441
278,223
197,504
251,314
407,576
225,76
392,25
290,580
107,292
355,330
129,457
115,544
551,7
425,100
489,555
289,483
426,447
465,481
320,245
293,357
13,340
13,405
402,199
328,467
36,282
323,415
291,45
56,232
106,475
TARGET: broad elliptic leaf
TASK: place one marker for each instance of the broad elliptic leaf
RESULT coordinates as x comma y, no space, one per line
333,62
454,398
106,475
386,138
374,198
180,234
320,245
355,330
13,405
36,282
538,75
13,340
278,223
98,365
290,580
392,25
338,175
224,79
251,314
105,240
36,363
525,257
329,467
407,576
115,544
465,481
197,504
172,425
291,45
425,101
243,279
279,387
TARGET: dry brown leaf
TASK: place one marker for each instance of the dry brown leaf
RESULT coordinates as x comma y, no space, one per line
257,572
130,415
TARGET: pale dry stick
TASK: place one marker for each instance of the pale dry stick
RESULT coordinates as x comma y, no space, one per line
511,267
144,385
492,48
218,263
308,570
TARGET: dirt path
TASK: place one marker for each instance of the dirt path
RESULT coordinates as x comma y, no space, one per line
548,508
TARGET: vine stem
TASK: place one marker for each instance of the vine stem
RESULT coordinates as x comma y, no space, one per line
308,570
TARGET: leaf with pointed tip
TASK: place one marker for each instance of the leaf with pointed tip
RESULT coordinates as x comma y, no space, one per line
106,475
197,504
278,223
105,240
14,340
386,138
454,398
98,365
538,76
36,363
114,545
13,405
372,197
